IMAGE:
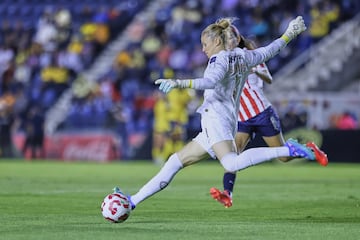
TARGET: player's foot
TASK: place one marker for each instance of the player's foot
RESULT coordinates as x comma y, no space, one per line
320,156
131,202
222,197
117,190
299,150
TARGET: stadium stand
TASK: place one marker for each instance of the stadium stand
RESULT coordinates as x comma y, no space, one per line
329,59
88,63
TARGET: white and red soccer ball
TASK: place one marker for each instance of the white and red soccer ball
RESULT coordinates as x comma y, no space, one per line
116,207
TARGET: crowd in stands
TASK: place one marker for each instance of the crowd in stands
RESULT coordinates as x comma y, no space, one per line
41,58
44,46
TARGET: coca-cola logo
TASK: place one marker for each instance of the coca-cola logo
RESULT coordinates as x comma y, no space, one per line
95,150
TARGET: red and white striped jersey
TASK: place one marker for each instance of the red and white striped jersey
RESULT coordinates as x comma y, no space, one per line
252,99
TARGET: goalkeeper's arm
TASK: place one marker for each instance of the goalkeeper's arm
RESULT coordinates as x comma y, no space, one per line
198,83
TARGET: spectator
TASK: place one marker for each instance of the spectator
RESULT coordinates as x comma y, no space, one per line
47,32
6,124
34,133
323,14
293,119
347,121
259,28
7,55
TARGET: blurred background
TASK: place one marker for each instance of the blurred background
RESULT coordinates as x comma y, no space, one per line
76,79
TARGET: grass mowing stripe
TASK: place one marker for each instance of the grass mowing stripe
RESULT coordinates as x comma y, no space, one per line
56,200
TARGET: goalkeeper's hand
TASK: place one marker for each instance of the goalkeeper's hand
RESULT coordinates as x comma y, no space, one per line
296,26
167,84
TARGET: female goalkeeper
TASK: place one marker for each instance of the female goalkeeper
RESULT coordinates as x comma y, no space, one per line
223,80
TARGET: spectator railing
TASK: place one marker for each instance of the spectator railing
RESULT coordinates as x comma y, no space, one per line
320,60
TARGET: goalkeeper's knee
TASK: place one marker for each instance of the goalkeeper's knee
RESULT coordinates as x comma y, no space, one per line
229,162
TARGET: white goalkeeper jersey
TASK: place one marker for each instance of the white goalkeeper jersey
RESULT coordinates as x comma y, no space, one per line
252,99
225,76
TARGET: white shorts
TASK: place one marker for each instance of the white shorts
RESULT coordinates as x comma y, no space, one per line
214,130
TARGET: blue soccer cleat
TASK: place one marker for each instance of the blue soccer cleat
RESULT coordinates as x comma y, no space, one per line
117,190
299,150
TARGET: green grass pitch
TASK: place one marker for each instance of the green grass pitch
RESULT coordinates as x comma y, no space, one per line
57,200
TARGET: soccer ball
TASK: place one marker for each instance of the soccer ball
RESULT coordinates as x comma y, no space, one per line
116,208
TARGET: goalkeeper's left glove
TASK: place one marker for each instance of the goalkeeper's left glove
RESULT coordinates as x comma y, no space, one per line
167,84
296,26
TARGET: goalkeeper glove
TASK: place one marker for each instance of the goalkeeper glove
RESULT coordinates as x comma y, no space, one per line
296,26
167,84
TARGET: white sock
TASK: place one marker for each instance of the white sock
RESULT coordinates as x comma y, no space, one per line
160,180
233,162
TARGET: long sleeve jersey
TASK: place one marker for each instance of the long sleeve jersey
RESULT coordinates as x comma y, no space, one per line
225,76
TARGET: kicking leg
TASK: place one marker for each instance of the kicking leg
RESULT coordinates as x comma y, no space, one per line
233,162
191,153
159,181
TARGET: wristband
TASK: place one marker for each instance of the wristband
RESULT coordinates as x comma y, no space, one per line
285,38
185,83
191,83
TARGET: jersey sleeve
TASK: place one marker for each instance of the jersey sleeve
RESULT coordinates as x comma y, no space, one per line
262,54
215,72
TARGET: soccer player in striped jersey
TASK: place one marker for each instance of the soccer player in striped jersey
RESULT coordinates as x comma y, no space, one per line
256,116
222,83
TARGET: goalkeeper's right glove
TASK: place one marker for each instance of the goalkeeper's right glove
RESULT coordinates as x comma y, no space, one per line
167,84
296,26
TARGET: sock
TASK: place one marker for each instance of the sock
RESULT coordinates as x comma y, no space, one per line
229,181
253,156
159,181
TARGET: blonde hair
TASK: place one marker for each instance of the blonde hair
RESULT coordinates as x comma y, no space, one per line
222,29
235,39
